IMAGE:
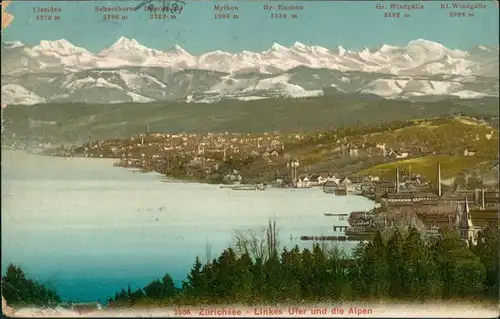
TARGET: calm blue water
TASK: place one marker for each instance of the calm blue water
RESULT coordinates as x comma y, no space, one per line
90,229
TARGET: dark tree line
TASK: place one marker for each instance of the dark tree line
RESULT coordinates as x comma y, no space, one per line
403,265
396,265
17,289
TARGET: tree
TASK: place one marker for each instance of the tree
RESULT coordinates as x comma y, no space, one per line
422,279
397,274
169,289
194,285
17,289
243,287
487,249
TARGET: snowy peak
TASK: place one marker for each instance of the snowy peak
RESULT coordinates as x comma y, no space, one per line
339,50
418,57
123,44
299,46
278,47
178,51
12,44
61,46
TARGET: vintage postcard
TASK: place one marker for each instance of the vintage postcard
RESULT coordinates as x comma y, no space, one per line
250,158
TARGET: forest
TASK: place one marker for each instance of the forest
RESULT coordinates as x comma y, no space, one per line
18,289
395,265
398,264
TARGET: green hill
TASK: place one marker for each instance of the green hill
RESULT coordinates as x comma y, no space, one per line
427,141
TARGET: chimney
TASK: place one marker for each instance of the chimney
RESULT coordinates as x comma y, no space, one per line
397,179
439,179
142,141
483,204
224,154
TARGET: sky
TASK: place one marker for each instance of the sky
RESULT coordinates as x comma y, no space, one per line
351,24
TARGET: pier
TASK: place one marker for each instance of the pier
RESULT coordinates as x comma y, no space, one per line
340,215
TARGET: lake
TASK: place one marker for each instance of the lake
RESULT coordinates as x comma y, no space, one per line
89,229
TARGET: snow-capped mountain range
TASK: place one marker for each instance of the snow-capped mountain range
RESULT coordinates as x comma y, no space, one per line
126,71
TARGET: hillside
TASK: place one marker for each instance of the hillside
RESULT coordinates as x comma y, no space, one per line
427,141
451,167
72,123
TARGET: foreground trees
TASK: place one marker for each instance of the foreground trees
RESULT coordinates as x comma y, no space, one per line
19,290
402,265
399,264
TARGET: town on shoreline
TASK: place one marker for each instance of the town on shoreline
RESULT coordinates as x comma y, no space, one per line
426,173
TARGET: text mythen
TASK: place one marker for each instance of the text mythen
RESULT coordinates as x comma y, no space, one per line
225,8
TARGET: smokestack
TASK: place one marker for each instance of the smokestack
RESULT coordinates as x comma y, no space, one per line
439,179
483,204
397,179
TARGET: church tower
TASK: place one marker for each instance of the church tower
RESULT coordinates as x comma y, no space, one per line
464,224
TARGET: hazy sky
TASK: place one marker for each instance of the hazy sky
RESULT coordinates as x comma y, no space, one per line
352,24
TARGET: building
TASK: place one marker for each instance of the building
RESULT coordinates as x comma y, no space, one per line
488,200
424,150
464,224
401,153
304,182
409,197
315,179
383,187
347,184
330,187
470,151
353,150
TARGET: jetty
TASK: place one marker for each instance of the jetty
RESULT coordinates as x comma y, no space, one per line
339,215
327,238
